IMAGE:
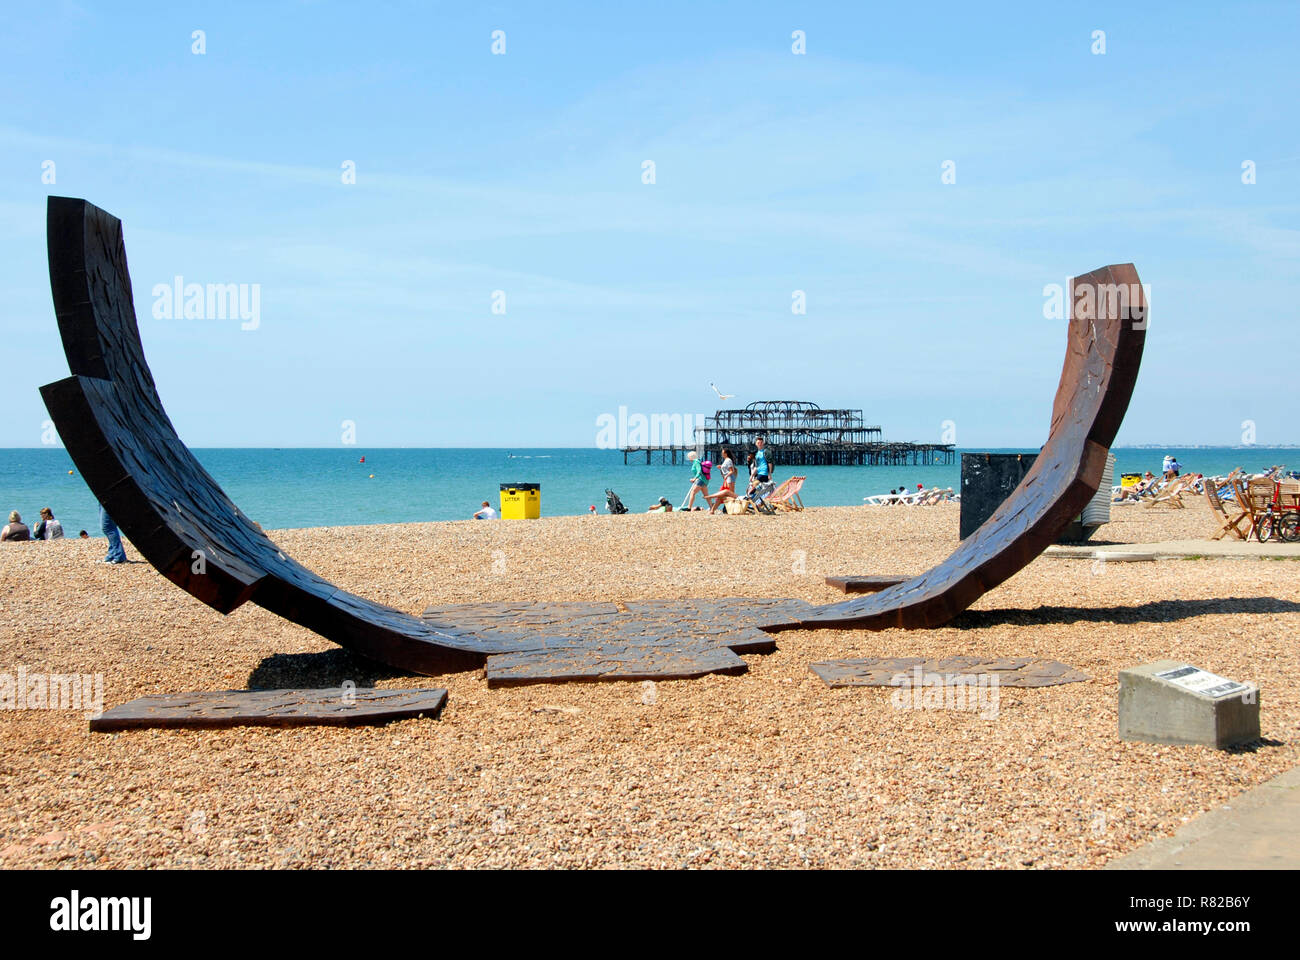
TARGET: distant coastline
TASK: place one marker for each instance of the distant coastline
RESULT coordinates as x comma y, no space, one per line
1208,446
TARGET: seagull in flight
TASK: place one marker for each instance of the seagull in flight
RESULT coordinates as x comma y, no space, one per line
722,396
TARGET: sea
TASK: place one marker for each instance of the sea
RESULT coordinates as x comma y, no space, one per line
297,487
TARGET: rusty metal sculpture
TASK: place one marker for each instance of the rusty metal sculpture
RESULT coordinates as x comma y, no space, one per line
1104,350
115,429
112,422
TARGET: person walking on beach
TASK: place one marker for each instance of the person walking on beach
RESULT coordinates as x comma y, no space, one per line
15,530
48,528
116,554
728,491
699,480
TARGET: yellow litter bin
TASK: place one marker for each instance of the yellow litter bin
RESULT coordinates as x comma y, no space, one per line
1130,479
521,501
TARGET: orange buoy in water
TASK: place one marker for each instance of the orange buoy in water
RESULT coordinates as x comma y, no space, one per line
362,460
372,476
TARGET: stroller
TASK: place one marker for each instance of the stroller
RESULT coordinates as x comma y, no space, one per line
612,503
756,499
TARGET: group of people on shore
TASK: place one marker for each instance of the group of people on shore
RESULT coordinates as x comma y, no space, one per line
47,528
920,497
758,463
1169,482
1150,484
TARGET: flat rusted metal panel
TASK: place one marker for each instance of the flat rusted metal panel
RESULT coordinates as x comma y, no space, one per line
593,661
332,706
739,623
864,584
905,671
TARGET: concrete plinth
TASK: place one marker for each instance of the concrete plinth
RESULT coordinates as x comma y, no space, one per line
1173,702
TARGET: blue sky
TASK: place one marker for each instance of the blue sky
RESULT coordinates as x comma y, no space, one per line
774,172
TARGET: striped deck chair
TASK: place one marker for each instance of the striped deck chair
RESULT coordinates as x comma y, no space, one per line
755,501
1171,494
786,496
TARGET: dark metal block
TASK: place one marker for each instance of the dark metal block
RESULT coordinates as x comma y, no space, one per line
987,480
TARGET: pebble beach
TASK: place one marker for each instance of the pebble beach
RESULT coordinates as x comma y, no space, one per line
767,769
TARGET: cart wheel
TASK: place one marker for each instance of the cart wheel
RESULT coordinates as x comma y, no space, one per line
1288,527
1264,529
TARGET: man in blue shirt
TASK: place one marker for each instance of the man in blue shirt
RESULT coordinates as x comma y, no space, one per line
761,464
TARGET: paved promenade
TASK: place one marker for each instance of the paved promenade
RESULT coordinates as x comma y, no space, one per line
1259,830
1176,549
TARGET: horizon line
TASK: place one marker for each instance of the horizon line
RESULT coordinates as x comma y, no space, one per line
1132,446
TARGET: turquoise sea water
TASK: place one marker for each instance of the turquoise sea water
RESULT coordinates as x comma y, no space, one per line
293,487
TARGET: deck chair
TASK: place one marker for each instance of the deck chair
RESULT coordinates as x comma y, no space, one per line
886,499
1223,486
1171,494
1123,494
1257,498
757,498
1226,520
935,496
786,496
1241,493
